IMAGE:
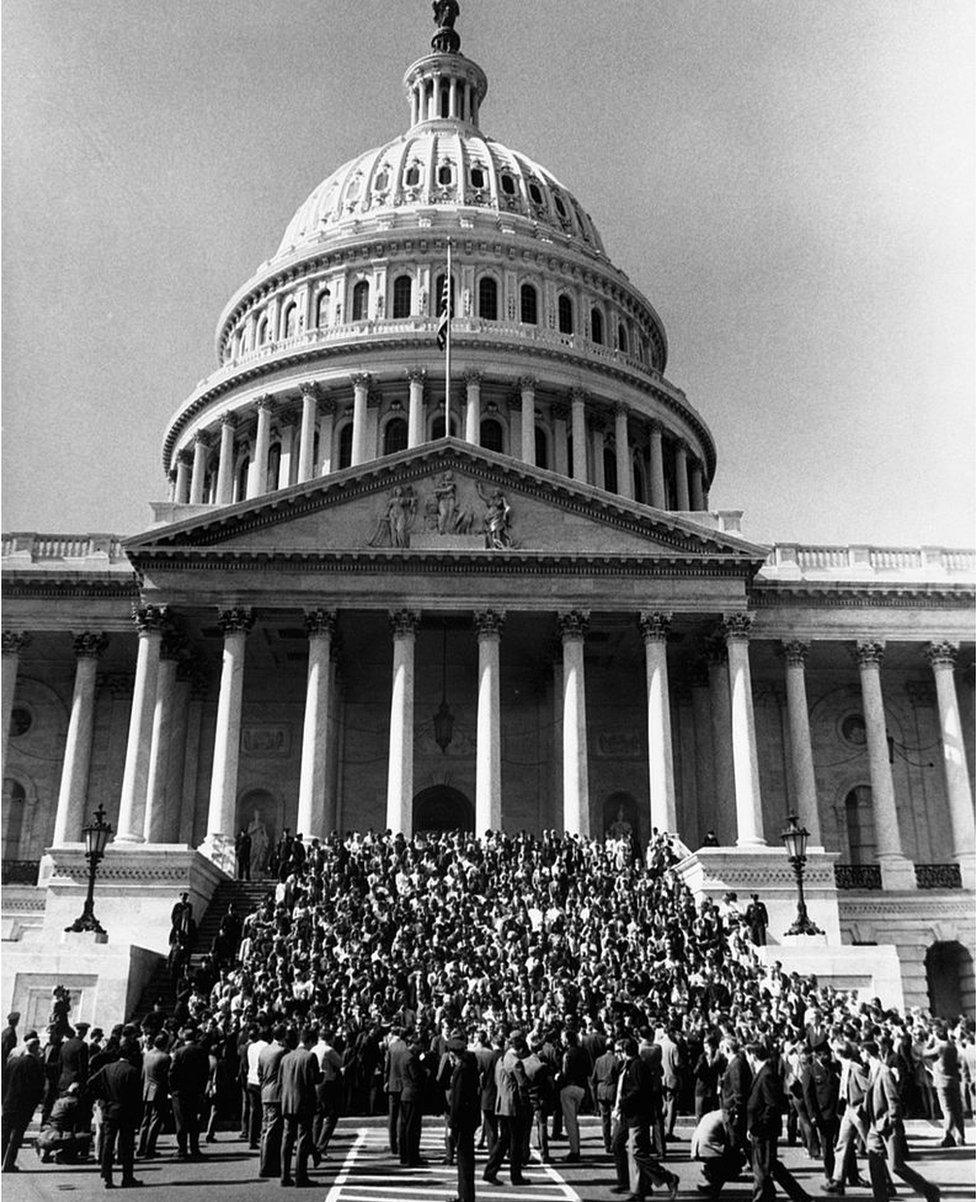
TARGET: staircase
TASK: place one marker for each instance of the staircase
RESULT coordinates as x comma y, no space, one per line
246,896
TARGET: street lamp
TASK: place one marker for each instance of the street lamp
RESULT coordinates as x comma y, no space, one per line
795,839
96,837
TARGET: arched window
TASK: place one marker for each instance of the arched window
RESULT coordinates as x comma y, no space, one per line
240,484
596,326
395,436
640,492
445,101
360,301
509,186
262,331
861,843
345,446
437,427
529,305
566,325
488,298
382,181
609,469
274,465
541,447
491,435
412,176
477,177
445,175
402,296
14,804
289,325
622,338
322,309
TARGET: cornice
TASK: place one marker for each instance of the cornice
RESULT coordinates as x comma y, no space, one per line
851,595
76,585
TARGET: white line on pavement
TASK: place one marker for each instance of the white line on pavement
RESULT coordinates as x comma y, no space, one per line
333,1194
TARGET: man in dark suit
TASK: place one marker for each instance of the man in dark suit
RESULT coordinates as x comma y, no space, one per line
396,1057
512,1108
734,1088
74,1059
119,1087
764,1121
242,848
487,1063
851,1089
269,1062
757,920
411,1107
155,1087
463,1113
8,1040
633,1107
603,1085
189,1072
299,1074
23,1090
882,1114
820,1083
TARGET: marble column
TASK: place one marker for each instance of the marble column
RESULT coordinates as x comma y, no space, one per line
149,621
73,792
942,657
683,501
313,803
660,758
201,449
222,813
176,766
158,803
225,464
183,461
697,486
745,760
560,438
659,495
488,763
576,797
360,401
527,388
310,417
399,781
415,420
625,472
257,482
720,697
599,443
326,427
472,420
801,746
13,644
578,403
897,871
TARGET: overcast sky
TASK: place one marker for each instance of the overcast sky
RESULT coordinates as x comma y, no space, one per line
789,183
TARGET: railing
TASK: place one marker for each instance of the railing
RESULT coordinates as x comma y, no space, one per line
863,559
36,547
19,872
857,876
938,876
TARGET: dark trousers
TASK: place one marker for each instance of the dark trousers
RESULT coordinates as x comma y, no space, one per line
245,1111
393,1128
489,1130
509,1143
884,1157
13,1126
763,1162
606,1121
411,1123
186,1115
121,1131
297,1138
244,868
464,1150
644,1172
254,1115
153,1112
270,1139
828,1136
326,1116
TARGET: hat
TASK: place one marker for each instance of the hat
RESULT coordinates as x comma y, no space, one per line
81,1028
31,1035
13,1016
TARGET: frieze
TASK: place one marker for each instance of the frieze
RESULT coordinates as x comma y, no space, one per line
266,740
618,744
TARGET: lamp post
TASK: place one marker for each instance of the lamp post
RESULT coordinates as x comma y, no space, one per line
96,837
795,839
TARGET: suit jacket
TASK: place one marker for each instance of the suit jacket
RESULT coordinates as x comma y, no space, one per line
603,1081
881,1102
74,1063
637,1095
269,1062
189,1070
119,1085
397,1054
155,1074
670,1062
299,1073
464,1095
489,1088
24,1086
764,1110
943,1058
512,1086
820,1085
734,1086
8,1041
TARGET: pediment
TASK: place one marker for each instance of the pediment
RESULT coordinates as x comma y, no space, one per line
446,496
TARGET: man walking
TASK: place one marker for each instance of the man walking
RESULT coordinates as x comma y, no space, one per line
327,1091
882,1116
299,1074
512,1112
155,1088
23,1090
119,1087
189,1072
269,1062
396,1057
637,1168
464,1110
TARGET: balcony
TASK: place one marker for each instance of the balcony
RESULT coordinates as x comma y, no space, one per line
868,876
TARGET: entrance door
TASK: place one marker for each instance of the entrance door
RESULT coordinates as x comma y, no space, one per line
441,808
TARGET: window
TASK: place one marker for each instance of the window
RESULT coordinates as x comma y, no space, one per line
609,469
477,177
536,193
412,177
491,435
382,181
488,298
541,448
274,465
622,337
240,484
437,427
322,309
290,322
445,174
360,301
395,435
529,305
402,296
20,721
509,186
596,326
354,189
560,207
860,825
566,324
345,446
262,331
445,102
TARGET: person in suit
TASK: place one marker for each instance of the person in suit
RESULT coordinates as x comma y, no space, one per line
757,920
299,1074
634,1102
650,1053
671,1066
8,1040
734,1086
942,1056
882,1116
573,1077
327,1094
487,1063
74,1059
820,1085
242,849
269,1062
396,1057
709,1067
764,1118
155,1089
23,1090
464,1112
189,1072
119,1087
512,1110
414,1080
851,1089
603,1085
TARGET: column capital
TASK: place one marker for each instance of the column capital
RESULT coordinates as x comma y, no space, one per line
941,655
266,403
515,402
620,409
149,618
15,641
327,405
203,438
319,622
473,376
360,379
578,395
489,622
185,456
417,375
573,624
736,627
559,411
654,625
868,654
795,652
655,428
309,390
404,622
237,620
90,645
528,383
229,419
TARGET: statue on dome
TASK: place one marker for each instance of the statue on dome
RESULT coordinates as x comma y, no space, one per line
446,39
497,519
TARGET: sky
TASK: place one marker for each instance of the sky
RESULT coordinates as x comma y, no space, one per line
789,182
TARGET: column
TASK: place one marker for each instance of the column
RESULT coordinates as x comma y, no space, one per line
415,418
654,630
257,481
132,803
697,486
576,797
313,804
578,403
942,657
306,450
681,477
225,464
452,94
560,447
176,799
897,871
201,448
73,792
515,426
801,747
705,765
472,420
527,389
745,760
599,443
222,814
720,697
187,772
399,781
158,803
488,764
326,425
13,644
183,461
659,496
360,394
624,473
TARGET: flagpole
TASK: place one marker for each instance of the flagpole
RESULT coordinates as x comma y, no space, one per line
447,357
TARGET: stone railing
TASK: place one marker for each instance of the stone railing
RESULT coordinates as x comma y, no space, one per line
795,561
938,876
857,876
32,547
19,872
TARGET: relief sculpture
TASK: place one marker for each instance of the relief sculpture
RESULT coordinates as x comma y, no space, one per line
393,528
497,519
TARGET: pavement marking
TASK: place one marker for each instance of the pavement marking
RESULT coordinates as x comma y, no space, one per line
333,1194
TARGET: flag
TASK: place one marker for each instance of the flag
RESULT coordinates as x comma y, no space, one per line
444,313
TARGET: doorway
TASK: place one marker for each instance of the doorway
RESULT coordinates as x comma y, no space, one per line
441,808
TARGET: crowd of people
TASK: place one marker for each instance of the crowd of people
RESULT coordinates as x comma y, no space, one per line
505,984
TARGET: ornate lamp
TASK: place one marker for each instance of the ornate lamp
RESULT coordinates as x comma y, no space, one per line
795,839
96,834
